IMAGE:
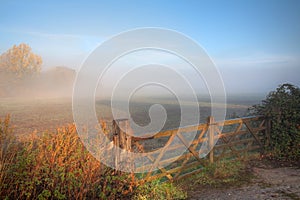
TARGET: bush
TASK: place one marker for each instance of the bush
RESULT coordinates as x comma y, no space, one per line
54,166
282,107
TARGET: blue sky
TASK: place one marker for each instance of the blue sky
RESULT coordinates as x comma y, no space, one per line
255,44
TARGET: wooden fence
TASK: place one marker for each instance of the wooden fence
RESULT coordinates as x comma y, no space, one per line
238,138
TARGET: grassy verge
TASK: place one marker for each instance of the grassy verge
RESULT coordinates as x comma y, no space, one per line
222,174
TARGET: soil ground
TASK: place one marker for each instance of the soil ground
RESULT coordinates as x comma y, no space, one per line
271,180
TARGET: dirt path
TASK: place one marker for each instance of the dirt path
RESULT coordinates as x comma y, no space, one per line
269,183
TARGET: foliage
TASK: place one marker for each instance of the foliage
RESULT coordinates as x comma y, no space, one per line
282,107
7,150
157,190
20,61
55,166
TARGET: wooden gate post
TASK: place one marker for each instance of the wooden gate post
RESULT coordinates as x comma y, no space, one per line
211,137
122,139
268,132
116,141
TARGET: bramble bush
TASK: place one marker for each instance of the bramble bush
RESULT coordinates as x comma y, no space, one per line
282,107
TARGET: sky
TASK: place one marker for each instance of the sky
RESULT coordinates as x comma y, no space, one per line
255,44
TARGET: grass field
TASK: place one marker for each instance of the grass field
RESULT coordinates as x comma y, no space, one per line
28,115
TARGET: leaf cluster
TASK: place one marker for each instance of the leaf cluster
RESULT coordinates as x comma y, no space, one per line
282,107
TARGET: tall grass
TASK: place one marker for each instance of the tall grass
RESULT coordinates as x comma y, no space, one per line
54,166
7,151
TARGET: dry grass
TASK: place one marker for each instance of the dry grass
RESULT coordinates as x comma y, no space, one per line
54,166
7,150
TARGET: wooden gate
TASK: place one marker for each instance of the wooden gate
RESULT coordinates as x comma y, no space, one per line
229,139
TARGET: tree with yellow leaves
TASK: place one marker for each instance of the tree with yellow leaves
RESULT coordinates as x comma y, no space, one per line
20,61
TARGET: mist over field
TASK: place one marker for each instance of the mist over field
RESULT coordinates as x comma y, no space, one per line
56,82
45,103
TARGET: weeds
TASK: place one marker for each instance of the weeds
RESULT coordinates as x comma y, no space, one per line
157,190
7,152
54,166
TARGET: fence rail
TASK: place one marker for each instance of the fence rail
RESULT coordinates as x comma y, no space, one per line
229,139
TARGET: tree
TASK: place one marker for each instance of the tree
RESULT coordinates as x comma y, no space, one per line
282,107
20,61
